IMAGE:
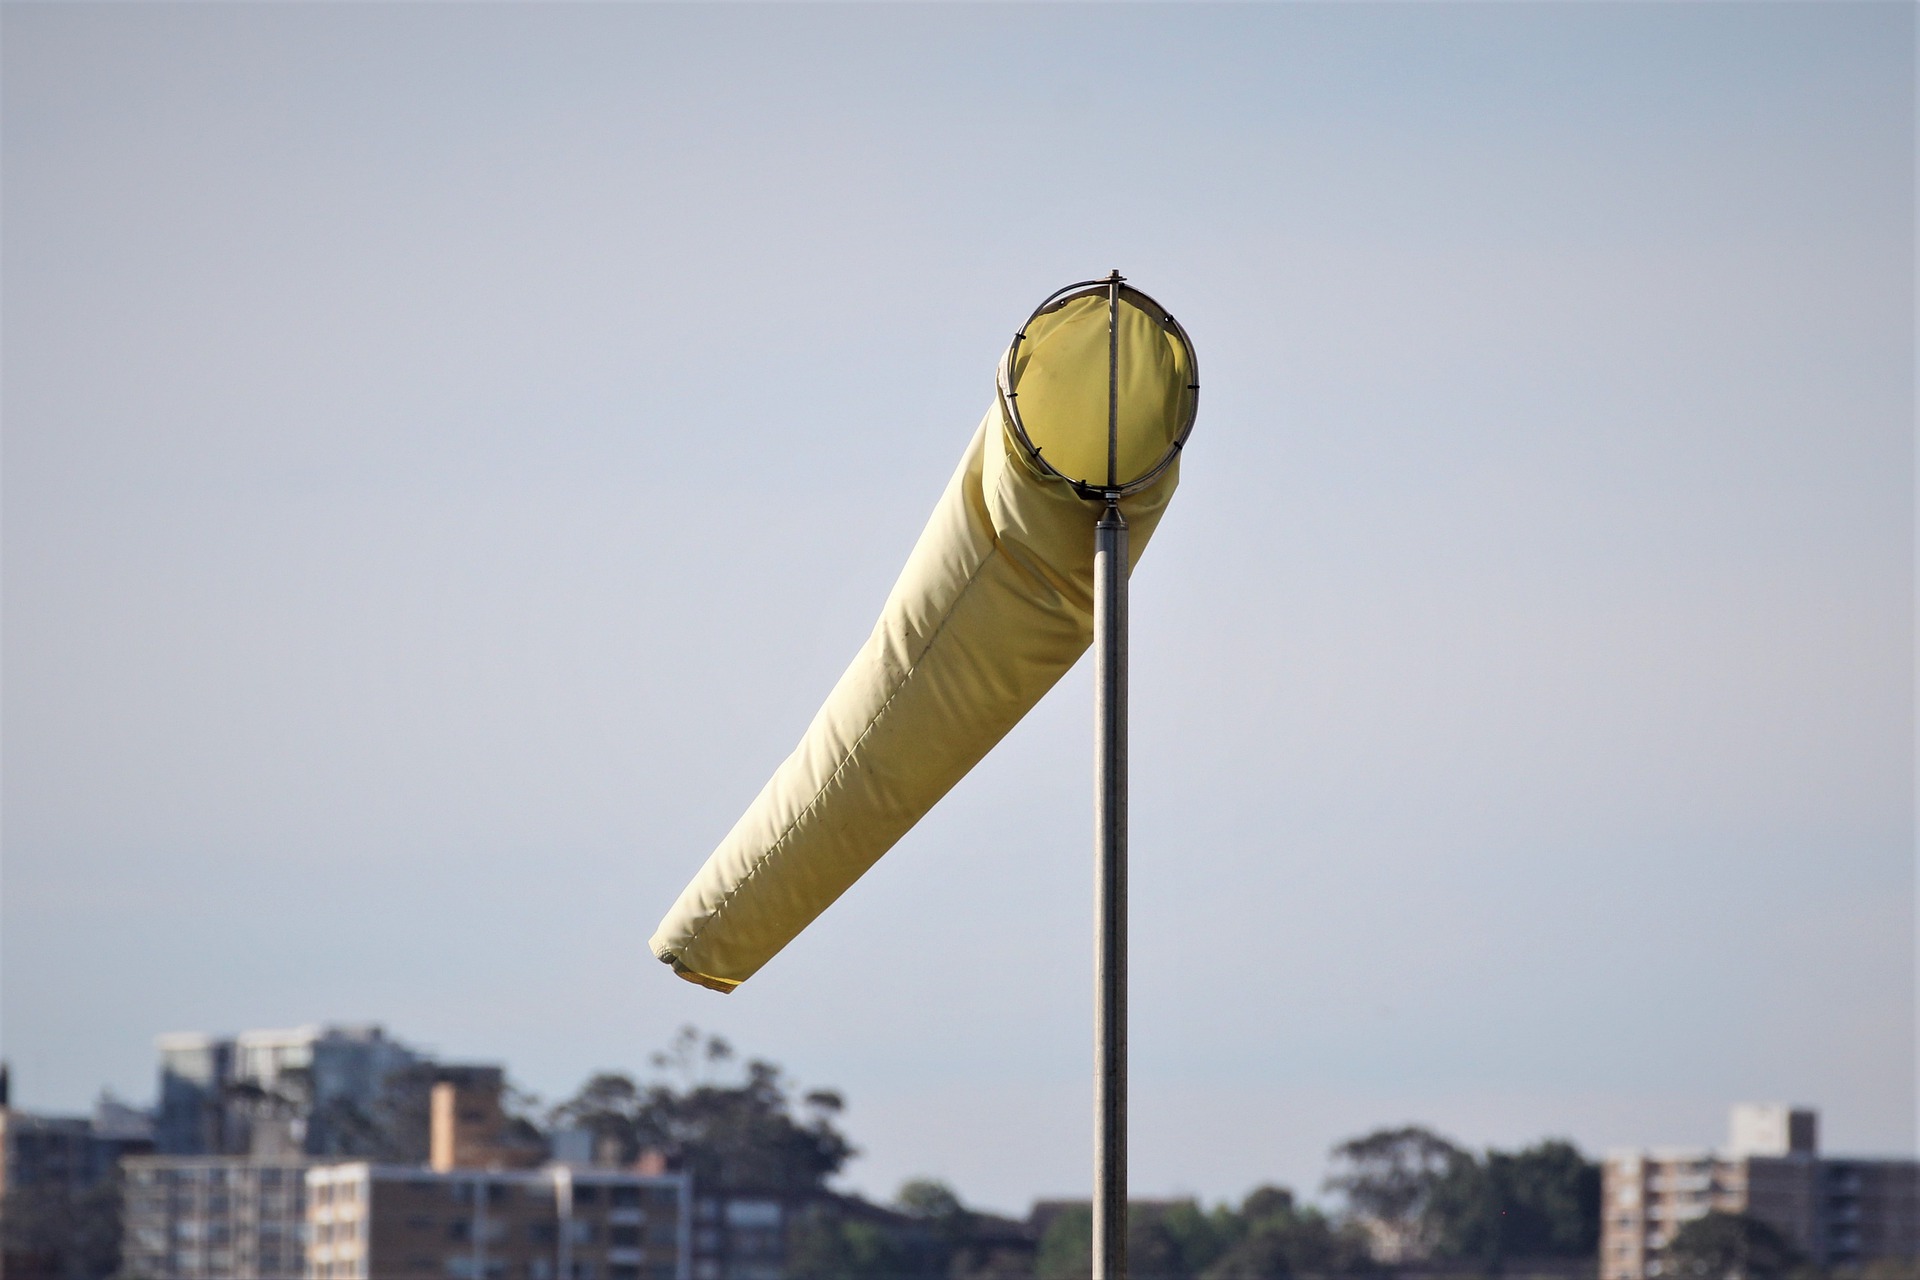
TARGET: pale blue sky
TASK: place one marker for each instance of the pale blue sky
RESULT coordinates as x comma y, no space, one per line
451,450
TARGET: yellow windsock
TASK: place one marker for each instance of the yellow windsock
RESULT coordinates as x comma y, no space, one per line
1097,393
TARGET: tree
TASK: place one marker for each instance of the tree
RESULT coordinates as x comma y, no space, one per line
1729,1246
607,1106
1389,1178
930,1199
743,1135
823,1244
1541,1202
1165,1241
1279,1240
1549,1197
1421,1198
949,1224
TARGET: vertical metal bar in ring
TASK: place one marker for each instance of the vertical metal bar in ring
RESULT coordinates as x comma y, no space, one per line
1113,379
1110,895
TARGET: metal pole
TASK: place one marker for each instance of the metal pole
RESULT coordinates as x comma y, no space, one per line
1110,895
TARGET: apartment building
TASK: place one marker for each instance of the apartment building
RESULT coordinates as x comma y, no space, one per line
739,1235
1835,1212
70,1152
382,1222
301,1079
214,1218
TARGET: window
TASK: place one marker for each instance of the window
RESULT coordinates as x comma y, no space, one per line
623,1271
623,1197
543,1232
623,1237
586,1195
580,1232
460,1229
753,1213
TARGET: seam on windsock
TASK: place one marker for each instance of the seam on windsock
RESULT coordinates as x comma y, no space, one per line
852,751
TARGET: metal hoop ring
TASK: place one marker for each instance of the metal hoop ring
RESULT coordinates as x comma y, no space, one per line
1009,397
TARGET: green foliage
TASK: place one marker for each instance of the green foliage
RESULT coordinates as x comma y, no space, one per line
825,1245
1066,1248
1277,1240
1268,1238
1540,1202
743,1134
1729,1246
1423,1198
1390,1180
1550,1198
949,1226
930,1199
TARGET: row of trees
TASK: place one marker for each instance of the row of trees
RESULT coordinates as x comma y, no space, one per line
1267,1237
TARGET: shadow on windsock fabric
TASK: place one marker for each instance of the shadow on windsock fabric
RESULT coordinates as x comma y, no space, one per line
993,607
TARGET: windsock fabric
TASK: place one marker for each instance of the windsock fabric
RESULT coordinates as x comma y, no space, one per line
993,607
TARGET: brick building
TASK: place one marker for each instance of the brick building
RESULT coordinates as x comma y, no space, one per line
379,1222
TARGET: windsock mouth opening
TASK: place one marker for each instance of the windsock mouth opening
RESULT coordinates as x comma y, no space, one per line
1100,388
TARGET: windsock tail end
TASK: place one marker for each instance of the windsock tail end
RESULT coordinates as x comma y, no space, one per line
724,986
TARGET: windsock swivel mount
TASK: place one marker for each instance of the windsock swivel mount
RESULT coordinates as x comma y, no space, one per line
1001,595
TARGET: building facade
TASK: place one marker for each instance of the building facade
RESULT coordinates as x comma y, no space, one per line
214,1218
70,1152
739,1235
216,1091
382,1222
1834,1212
